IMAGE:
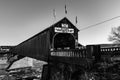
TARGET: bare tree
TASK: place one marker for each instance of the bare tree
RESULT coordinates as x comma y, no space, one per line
115,35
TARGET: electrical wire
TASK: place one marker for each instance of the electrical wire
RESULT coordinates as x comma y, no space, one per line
99,23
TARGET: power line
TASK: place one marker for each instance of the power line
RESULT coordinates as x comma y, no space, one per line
99,23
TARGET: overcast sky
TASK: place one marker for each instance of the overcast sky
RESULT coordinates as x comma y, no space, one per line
21,19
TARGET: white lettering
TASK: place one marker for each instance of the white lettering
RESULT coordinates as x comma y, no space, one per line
64,30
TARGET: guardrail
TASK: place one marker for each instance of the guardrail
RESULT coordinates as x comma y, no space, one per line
86,52
70,53
110,51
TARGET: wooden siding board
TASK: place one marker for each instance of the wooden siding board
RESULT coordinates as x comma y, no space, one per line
36,47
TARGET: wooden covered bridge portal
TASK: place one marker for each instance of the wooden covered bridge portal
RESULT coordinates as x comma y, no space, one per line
58,45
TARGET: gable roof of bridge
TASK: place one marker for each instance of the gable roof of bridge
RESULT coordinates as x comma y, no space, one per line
54,25
58,22
67,21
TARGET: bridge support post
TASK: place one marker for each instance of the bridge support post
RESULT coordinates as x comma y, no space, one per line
93,52
62,71
59,71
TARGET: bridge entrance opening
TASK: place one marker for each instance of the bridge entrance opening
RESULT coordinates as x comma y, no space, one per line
64,41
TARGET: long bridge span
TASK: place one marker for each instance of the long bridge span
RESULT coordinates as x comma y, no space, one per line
58,45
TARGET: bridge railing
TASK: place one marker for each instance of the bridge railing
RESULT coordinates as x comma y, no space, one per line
110,51
88,52
80,53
